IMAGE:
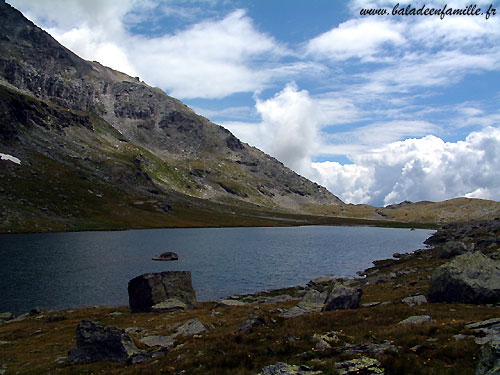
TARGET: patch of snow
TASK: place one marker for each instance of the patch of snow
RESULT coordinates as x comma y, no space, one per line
10,158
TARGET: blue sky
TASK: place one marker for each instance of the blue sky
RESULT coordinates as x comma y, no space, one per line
378,109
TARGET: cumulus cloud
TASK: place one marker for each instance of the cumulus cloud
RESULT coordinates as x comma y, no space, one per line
358,38
289,127
212,59
419,169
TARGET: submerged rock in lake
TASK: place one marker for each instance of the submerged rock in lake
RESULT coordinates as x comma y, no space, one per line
99,343
146,291
168,256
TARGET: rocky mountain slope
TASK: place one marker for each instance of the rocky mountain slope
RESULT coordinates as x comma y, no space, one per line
99,149
64,116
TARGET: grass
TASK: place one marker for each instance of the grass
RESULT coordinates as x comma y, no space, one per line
34,346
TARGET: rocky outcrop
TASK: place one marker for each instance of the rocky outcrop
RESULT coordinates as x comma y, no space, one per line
253,321
414,300
341,297
469,278
190,328
99,343
362,365
325,295
156,340
171,304
451,249
150,289
417,319
281,368
489,357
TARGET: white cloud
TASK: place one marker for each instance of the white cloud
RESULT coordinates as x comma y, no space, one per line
420,169
358,38
289,127
211,59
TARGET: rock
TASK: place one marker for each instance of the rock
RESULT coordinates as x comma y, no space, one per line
370,304
56,318
459,337
168,256
190,328
489,358
341,297
414,300
98,343
6,316
451,249
278,299
163,341
312,301
229,302
487,328
281,368
150,289
20,318
326,340
36,311
171,304
369,347
253,321
298,311
320,284
313,297
362,365
469,278
417,319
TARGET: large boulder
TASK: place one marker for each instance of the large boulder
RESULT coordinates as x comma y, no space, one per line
469,278
451,249
341,297
99,343
489,358
150,289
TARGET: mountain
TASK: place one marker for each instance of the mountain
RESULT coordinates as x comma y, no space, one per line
99,148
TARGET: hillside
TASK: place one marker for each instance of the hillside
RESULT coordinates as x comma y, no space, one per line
98,145
99,149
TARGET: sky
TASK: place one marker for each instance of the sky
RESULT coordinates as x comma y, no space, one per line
378,109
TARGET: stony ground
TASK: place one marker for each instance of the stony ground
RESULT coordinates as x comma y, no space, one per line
439,338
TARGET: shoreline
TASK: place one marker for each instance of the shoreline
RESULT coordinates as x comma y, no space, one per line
443,343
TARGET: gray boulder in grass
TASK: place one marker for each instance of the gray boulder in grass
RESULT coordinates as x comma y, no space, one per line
151,289
341,297
469,278
100,343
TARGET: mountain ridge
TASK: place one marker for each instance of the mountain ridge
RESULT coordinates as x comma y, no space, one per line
103,150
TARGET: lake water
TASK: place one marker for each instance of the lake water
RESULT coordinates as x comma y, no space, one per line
69,270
